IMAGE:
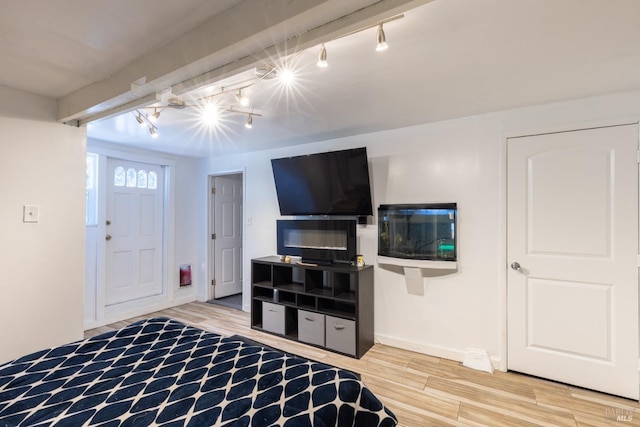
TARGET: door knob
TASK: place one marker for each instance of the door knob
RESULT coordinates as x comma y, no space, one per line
516,266
108,237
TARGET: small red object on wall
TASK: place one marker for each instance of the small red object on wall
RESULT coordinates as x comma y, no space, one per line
185,275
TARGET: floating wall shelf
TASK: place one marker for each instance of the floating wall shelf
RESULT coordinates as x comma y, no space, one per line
418,263
413,270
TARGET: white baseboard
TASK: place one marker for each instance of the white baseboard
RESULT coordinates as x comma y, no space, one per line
124,315
431,350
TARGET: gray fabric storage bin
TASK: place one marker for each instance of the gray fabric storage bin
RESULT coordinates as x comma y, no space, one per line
340,334
273,317
311,327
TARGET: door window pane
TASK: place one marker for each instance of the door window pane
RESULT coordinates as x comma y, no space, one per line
142,178
152,182
131,177
118,176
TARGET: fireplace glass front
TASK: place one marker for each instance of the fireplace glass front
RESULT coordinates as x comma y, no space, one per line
322,241
315,239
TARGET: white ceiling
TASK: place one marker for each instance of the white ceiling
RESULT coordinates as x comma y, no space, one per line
53,48
447,59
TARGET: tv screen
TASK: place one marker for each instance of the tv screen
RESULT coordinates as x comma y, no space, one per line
332,183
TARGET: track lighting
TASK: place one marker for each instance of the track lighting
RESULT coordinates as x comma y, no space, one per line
249,123
380,38
322,58
144,120
243,100
382,43
215,104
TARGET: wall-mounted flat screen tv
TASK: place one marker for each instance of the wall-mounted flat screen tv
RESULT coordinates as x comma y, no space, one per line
331,183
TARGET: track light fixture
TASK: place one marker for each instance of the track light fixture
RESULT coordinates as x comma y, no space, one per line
213,109
210,111
144,120
380,38
243,100
322,58
382,42
249,123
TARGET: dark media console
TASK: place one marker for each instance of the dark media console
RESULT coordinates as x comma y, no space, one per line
325,306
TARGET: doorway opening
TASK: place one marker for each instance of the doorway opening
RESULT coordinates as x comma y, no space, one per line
225,248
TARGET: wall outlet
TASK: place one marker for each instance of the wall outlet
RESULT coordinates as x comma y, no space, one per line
30,213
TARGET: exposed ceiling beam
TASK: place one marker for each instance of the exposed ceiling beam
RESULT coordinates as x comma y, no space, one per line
231,42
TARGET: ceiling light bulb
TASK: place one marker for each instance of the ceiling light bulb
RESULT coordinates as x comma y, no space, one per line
322,58
243,100
156,114
139,119
287,77
153,132
249,124
382,43
210,114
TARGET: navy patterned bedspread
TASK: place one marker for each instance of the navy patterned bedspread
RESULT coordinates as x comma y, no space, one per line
162,372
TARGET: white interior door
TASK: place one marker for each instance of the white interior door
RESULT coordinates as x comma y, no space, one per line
573,230
227,264
135,206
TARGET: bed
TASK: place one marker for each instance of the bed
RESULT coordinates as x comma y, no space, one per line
161,372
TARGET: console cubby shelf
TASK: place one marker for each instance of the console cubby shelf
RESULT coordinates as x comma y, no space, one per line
326,306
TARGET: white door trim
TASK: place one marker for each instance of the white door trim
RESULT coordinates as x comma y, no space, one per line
169,268
502,215
210,230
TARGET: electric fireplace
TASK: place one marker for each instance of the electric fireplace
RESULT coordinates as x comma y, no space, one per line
321,241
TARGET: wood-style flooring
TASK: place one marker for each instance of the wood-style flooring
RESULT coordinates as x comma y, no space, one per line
428,391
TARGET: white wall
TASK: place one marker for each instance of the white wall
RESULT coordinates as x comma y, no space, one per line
454,161
186,231
41,264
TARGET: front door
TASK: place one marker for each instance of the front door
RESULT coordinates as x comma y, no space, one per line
572,255
227,243
135,206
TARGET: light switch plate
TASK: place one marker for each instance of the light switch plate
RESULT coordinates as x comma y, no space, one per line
31,213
